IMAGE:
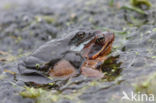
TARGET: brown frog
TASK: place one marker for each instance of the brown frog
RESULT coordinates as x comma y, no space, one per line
81,51
95,53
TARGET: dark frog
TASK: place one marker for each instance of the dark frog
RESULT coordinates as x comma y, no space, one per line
80,52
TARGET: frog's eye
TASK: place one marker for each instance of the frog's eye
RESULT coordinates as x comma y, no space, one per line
81,35
100,41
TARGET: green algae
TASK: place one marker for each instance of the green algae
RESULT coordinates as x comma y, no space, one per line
41,95
31,92
118,32
55,98
153,57
138,3
135,6
49,96
111,68
90,2
146,84
8,6
48,19
18,39
3,76
132,8
154,29
111,2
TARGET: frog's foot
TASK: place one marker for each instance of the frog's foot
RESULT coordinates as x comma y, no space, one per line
89,72
63,68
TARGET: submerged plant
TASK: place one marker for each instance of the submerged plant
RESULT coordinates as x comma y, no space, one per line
141,3
111,2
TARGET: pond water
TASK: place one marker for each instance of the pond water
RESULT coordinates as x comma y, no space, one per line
27,24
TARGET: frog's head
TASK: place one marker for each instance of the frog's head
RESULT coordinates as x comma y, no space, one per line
82,36
100,45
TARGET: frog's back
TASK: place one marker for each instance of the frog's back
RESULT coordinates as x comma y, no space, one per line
55,50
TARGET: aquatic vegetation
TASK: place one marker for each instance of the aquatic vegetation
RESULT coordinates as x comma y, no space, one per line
111,2
31,92
140,3
136,6
48,19
146,84
41,95
24,29
138,15
49,96
3,76
111,68
132,8
154,29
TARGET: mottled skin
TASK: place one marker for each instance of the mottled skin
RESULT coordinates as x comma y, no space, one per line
83,50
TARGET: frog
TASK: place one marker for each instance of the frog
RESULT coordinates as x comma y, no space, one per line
78,52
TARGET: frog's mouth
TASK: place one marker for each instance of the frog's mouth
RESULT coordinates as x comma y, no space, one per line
103,48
